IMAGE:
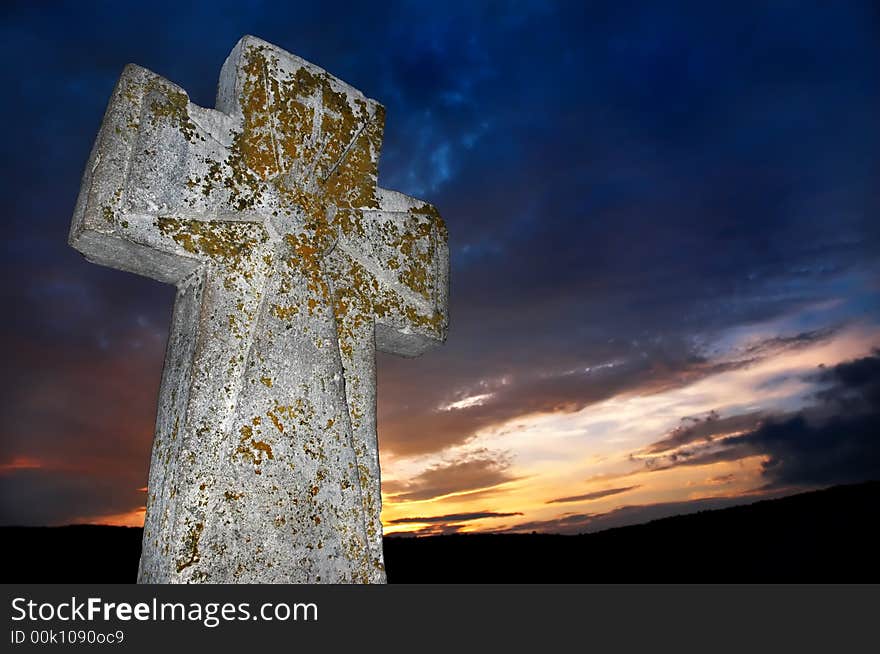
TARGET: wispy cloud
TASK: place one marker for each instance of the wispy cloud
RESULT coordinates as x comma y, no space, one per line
595,495
452,518
474,472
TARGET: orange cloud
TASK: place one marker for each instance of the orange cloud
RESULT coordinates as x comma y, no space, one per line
20,463
133,518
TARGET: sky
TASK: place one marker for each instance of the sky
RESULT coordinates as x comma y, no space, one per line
663,224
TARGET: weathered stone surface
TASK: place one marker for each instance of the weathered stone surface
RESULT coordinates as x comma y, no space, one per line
292,267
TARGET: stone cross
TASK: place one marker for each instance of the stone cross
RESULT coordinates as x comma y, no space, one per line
292,267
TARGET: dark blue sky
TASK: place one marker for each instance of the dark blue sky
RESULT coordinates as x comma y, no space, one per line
630,187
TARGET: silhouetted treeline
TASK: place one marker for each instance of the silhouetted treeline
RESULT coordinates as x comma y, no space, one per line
821,536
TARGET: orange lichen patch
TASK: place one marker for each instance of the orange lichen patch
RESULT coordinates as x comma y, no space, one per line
353,307
245,187
300,413
169,104
304,251
307,249
266,381
360,299
191,547
363,475
257,142
352,182
418,261
231,496
223,241
251,449
410,248
284,312
350,222
276,421
370,509
110,211
213,178
263,446
434,216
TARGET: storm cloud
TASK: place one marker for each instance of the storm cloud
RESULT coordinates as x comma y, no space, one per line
834,440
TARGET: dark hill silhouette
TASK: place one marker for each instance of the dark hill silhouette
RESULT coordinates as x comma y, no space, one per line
820,536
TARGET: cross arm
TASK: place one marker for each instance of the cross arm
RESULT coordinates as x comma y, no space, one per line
399,255
98,229
157,181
